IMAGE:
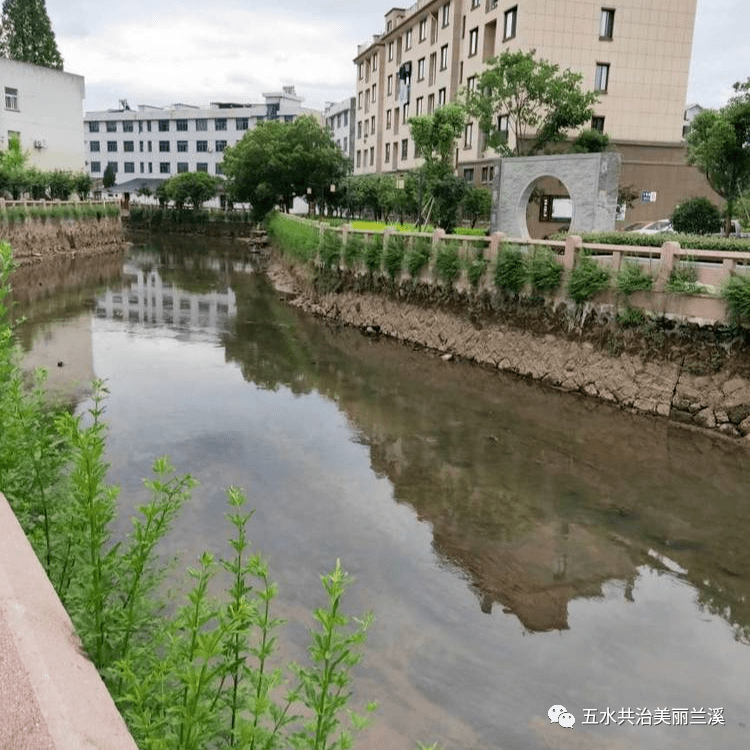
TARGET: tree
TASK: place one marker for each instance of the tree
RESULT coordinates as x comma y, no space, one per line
719,145
696,216
26,34
277,161
14,172
192,187
530,98
82,185
477,203
590,141
109,178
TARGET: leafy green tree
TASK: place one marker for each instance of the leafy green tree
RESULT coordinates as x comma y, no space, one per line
82,185
192,187
541,103
696,216
719,145
590,141
477,203
109,178
26,34
61,185
14,172
277,161
447,192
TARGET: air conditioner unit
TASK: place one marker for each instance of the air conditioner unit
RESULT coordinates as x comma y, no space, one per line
210,150
38,144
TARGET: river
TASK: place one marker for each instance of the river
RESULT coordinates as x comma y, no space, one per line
520,548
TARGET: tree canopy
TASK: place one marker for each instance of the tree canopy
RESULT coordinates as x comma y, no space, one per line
191,187
435,135
277,161
719,145
26,34
532,99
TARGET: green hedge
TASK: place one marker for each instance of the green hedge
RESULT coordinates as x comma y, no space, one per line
690,241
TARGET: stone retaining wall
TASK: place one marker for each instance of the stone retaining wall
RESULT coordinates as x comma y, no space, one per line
36,240
675,380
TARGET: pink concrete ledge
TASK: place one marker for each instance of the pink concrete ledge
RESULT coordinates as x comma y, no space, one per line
51,696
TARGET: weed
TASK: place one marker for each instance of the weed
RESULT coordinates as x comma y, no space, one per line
632,278
330,248
684,278
543,269
587,279
393,258
510,271
418,256
353,249
293,237
374,253
447,262
737,295
631,318
475,269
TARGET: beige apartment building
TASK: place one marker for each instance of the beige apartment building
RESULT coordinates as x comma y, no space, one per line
635,53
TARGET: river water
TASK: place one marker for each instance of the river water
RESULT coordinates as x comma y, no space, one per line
520,548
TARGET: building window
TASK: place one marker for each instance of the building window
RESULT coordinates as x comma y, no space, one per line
503,125
359,158
407,39
474,4
148,125
372,124
182,166
509,27
473,42
150,167
420,101
220,123
387,153
220,145
164,147
346,144
469,175
112,126
374,62
219,169
390,85
94,145
374,86
390,52
128,146
433,67
607,24
96,166
182,146
367,128
359,129
141,167
163,126
468,134
430,103
201,166
112,146
127,126
420,69
597,123
444,57
361,69
441,97
201,124
422,31
346,118
164,167
241,123
471,83
201,146
359,100
372,156
112,165
405,115
182,125
129,167
94,126
149,146
388,119
446,14
602,77
405,148
140,146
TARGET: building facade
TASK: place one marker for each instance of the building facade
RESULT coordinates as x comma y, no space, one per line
635,53
44,108
339,118
159,142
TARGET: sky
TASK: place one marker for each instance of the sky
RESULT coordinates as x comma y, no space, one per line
196,51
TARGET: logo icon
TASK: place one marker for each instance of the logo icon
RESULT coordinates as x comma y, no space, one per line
560,715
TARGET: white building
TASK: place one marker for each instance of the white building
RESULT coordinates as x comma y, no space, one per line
158,142
339,118
44,108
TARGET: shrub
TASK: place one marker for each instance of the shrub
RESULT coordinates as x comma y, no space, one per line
631,318
330,249
737,295
684,278
353,249
691,241
543,270
696,216
587,279
510,271
374,253
476,268
297,238
447,262
394,256
418,256
632,278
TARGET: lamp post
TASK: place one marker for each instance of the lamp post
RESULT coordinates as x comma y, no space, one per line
400,185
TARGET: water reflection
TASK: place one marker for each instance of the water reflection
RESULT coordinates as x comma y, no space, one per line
475,510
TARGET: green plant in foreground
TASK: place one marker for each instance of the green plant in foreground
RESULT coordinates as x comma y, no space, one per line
684,278
330,248
476,268
631,318
737,295
447,262
632,278
587,279
418,256
510,270
544,271
374,252
393,258
353,249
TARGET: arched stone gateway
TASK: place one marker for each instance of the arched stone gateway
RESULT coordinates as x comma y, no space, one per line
592,181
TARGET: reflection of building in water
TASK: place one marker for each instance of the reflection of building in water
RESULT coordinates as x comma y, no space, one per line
147,298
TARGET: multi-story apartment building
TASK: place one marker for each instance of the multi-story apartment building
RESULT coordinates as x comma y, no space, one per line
635,53
339,118
43,107
158,142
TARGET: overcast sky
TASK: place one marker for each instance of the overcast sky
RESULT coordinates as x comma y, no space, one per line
197,51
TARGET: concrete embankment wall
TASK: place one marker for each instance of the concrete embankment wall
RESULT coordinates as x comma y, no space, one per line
36,240
51,696
674,370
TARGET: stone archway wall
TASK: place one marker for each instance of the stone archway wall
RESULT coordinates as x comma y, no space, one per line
592,181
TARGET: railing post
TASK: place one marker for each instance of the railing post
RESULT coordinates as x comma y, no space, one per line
616,261
493,248
727,269
668,252
573,244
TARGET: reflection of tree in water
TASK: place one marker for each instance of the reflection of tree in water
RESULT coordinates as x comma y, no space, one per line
532,518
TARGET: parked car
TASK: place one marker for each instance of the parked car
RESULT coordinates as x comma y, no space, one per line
650,227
